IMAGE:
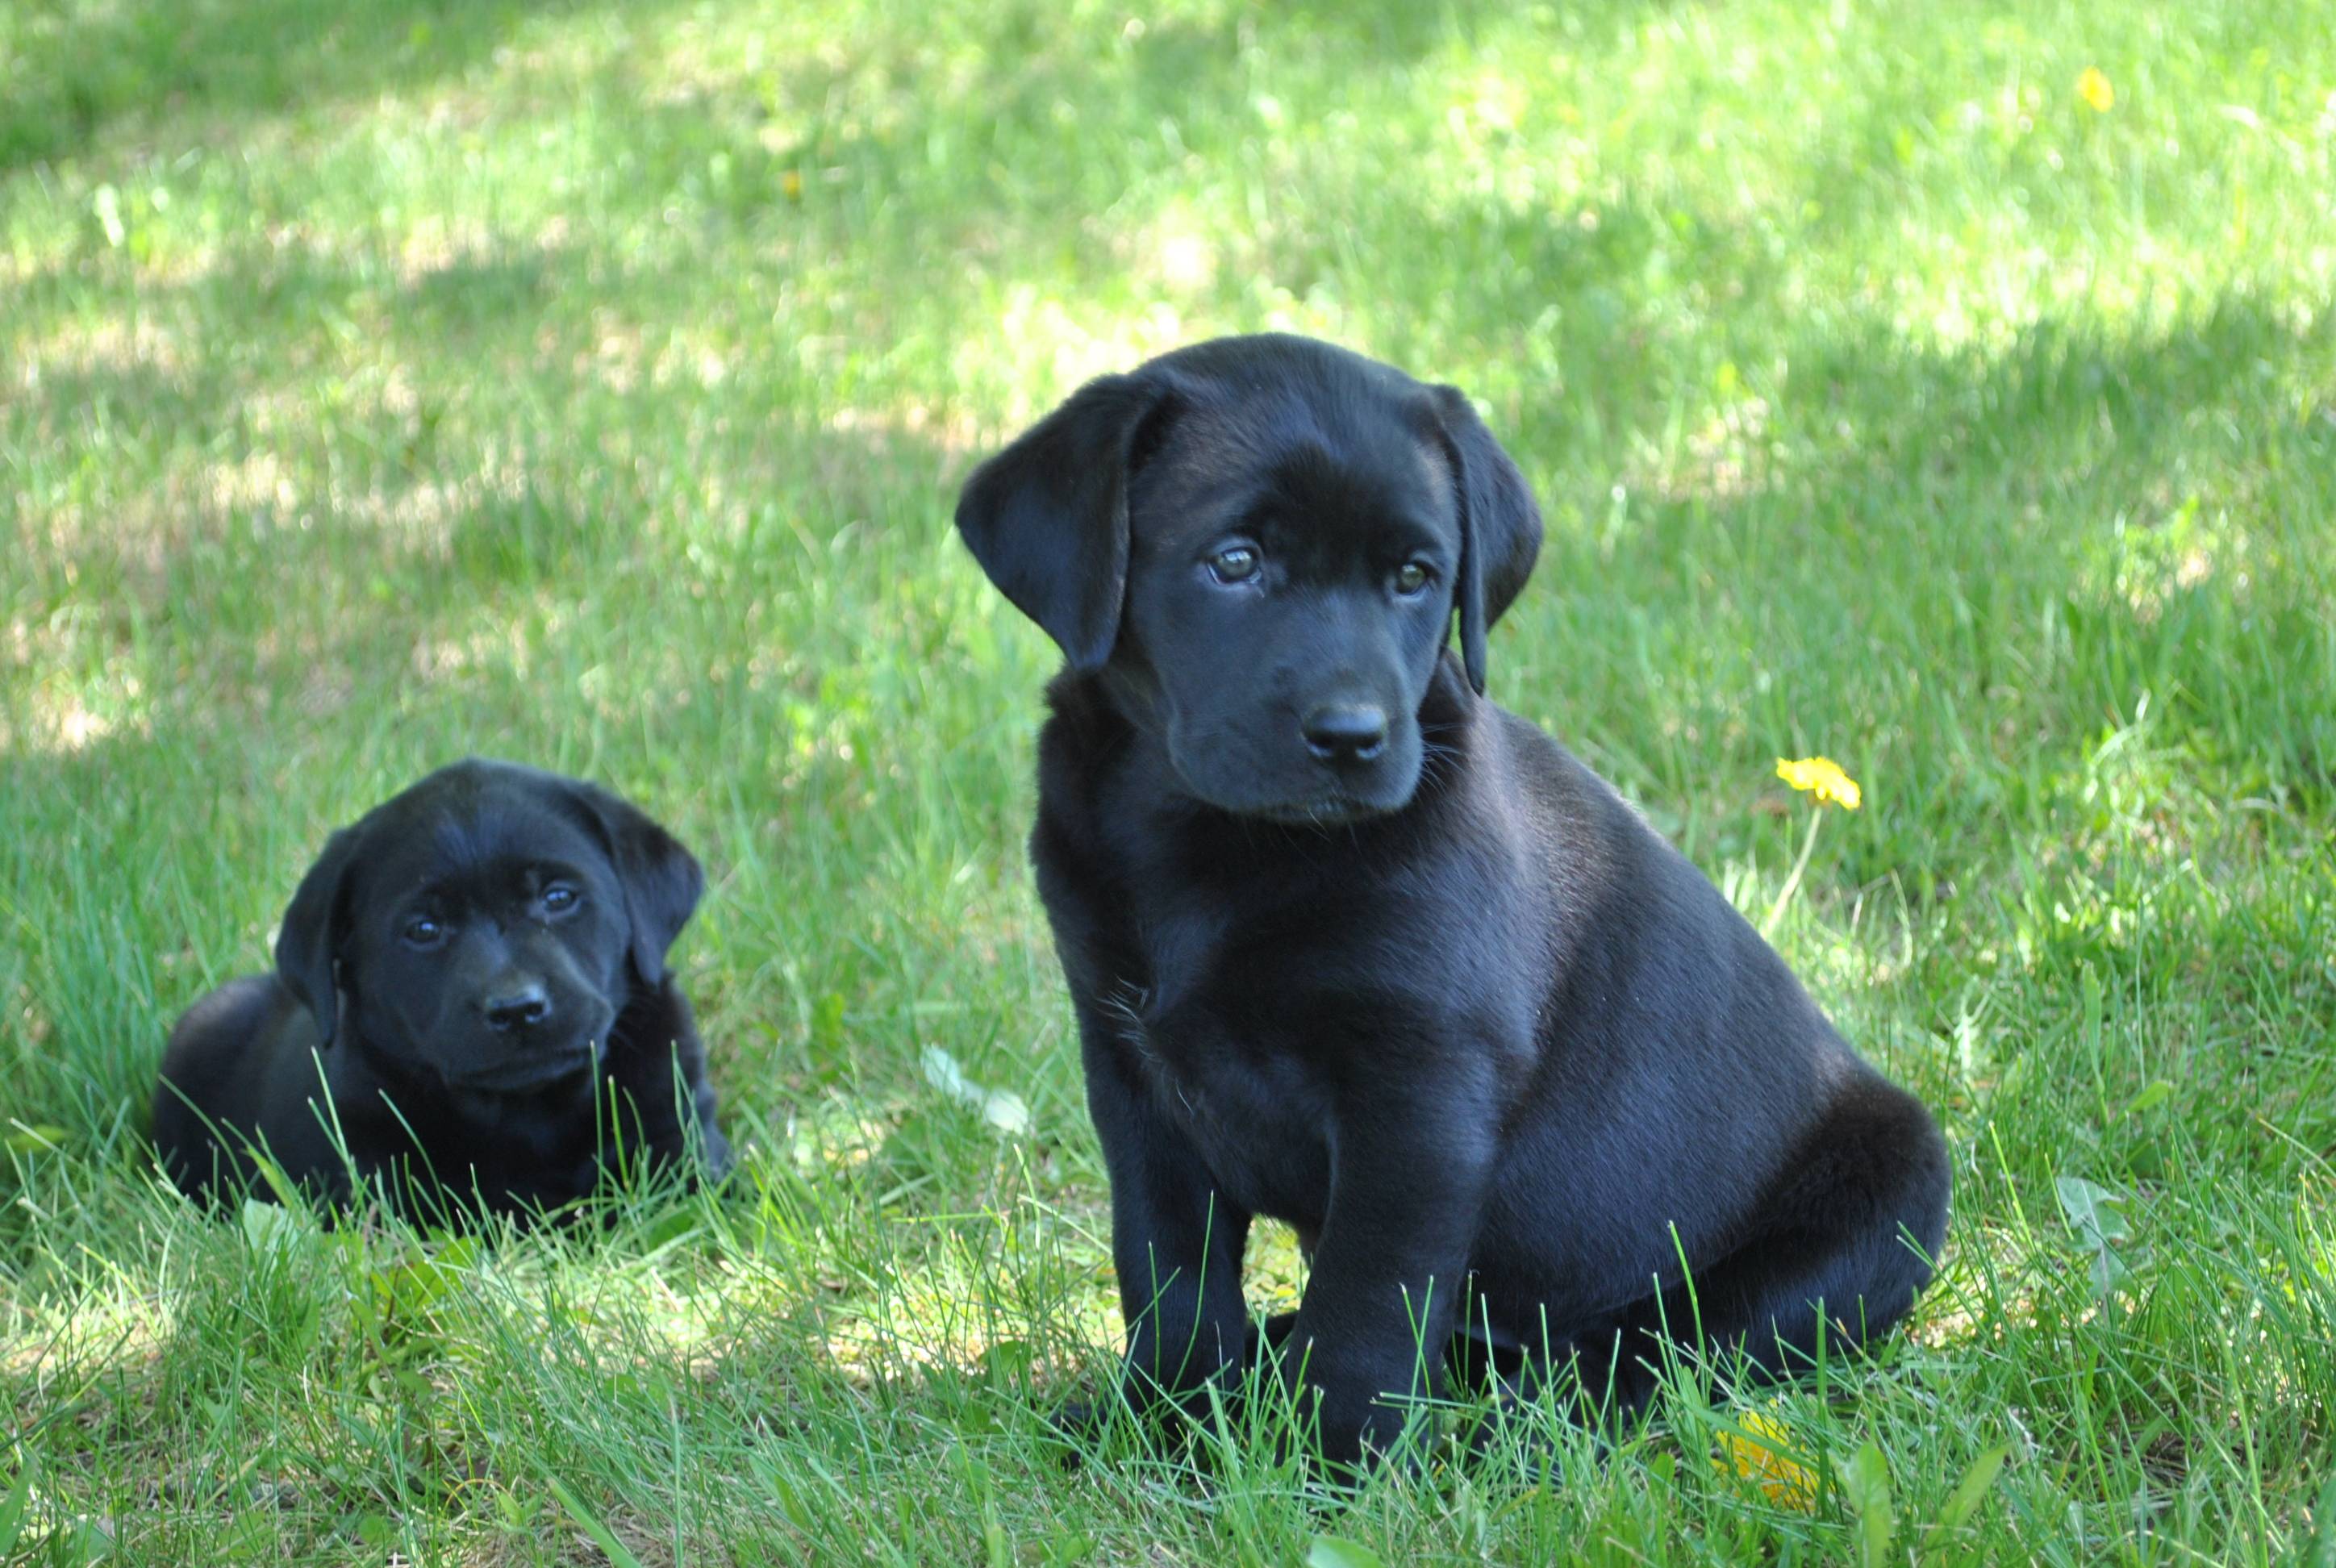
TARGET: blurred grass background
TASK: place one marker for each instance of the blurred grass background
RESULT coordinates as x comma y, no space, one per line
588,383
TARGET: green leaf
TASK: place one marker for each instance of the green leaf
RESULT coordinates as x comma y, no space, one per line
269,1227
2092,1036
676,1224
2157,1093
2323,1512
602,1536
375,1531
2096,1215
1336,1551
1865,1482
790,1500
1008,1359
248,1538
39,1138
410,1289
1969,1491
278,1182
12,1509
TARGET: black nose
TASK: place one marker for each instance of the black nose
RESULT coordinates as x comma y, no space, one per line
520,1007
1346,732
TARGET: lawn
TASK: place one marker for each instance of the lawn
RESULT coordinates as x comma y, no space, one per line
588,383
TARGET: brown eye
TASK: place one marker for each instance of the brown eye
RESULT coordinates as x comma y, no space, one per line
559,898
1410,579
421,931
1236,564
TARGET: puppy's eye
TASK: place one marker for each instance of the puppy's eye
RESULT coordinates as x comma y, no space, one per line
1235,563
559,898
421,931
1411,579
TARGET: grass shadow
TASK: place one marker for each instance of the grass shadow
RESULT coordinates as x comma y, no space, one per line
80,75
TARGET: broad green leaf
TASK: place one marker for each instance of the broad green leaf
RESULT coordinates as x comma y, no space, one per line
1007,1359
2096,1215
12,1509
790,1500
278,1182
2092,994
1336,1551
674,1225
270,1227
375,1530
39,1138
1865,1482
1969,1491
602,1536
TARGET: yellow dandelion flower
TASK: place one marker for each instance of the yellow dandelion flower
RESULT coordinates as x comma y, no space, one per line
1761,1455
2093,86
1821,777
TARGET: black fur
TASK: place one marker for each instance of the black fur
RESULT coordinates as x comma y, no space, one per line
1442,1001
503,1052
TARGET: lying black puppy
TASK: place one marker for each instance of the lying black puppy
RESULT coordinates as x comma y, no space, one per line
476,971
1352,947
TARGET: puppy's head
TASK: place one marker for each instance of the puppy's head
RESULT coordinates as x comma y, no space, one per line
487,925
1263,544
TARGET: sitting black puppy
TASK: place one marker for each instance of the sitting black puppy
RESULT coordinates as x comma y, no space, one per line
475,975
1354,948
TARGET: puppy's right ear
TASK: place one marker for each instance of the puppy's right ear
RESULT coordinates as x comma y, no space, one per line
1047,517
307,945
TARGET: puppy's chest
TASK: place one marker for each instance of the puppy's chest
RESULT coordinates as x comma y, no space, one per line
1235,1069
515,1159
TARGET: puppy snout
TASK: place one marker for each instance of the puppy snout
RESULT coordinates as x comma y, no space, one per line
1346,732
520,1006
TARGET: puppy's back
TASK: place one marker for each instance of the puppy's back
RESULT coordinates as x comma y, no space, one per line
218,1073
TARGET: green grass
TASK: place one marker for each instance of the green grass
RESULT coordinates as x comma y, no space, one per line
588,385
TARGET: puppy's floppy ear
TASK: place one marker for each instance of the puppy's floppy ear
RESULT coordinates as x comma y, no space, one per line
1500,526
1047,517
308,942
662,881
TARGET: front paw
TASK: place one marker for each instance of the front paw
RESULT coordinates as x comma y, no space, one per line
1352,1424
1126,1414
1158,1418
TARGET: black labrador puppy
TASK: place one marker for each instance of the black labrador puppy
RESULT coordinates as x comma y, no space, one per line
1354,948
471,993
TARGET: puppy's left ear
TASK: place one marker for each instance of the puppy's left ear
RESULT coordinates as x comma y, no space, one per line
661,880
1500,526
1047,517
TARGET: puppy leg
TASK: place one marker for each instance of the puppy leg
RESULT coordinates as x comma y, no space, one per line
659,1062
1410,1163
1175,1240
1830,1264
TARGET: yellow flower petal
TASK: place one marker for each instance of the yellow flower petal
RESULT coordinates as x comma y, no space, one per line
1821,777
2093,86
1761,1455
